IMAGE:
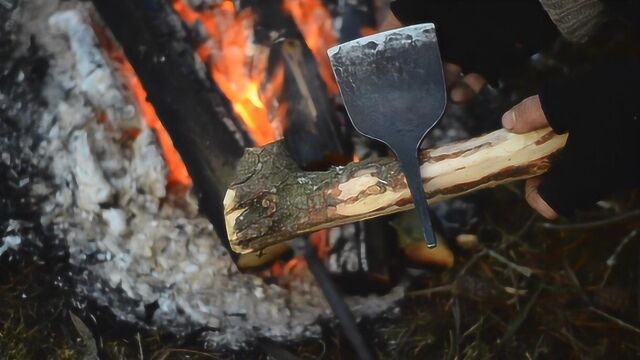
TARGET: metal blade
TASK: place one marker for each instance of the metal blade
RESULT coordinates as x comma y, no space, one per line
394,91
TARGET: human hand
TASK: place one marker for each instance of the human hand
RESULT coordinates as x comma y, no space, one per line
522,118
600,109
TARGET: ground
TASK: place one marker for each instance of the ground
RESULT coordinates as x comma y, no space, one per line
529,289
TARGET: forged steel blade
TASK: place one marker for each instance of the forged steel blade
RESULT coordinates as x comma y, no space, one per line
393,88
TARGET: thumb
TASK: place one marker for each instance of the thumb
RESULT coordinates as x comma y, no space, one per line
536,201
526,116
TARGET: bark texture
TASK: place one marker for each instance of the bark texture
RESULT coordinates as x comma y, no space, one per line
272,200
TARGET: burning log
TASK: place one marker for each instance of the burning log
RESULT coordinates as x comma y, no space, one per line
272,200
312,132
194,112
258,57
308,117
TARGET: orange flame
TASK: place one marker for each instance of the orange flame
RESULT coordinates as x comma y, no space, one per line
314,21
297,265
177,171
178,174
320,241
238,66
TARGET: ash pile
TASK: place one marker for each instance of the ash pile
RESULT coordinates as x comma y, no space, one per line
98,177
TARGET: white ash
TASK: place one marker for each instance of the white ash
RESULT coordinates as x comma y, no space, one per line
96,80
93,188
10,242
139,244
116,219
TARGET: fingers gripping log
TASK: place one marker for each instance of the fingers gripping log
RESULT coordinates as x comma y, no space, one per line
272,200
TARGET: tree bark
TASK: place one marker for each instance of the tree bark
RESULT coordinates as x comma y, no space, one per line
272,200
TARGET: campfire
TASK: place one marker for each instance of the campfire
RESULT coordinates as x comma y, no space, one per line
238,66
149,113
141,134
186,171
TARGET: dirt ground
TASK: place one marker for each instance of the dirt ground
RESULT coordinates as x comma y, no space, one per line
528,289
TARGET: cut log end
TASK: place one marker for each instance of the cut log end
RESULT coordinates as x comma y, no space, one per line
272,200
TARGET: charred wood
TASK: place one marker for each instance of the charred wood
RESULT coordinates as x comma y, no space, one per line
313,133
194,112
362,257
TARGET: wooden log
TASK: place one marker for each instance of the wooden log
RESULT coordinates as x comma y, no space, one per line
192,109
312,131
272,200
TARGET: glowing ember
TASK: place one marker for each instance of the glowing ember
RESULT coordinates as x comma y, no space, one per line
320,241
239,67
177,172
314,21
297,265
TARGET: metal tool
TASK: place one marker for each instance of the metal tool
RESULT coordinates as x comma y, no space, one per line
393,88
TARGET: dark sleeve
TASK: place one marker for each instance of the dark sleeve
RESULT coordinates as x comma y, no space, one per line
608,95
600,109
625,10
487,37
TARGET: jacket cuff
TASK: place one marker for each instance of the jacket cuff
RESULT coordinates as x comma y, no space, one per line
556,108
561,203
